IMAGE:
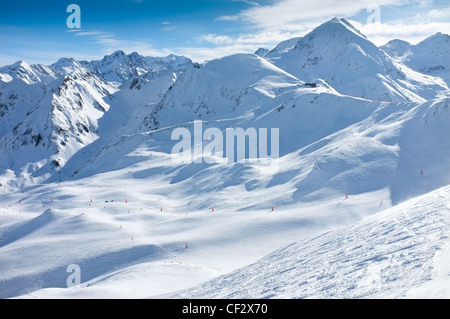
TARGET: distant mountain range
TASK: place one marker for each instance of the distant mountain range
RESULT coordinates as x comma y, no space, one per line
49,113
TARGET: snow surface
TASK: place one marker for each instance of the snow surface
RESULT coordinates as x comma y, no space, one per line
355,207
402,252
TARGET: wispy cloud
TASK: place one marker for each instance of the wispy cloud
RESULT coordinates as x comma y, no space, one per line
110,43
441,15
283,14
227,18
81,33
215,39
201,54
381,33
252,3
243,43
168,26
414,29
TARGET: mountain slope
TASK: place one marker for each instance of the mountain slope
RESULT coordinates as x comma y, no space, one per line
49,113
329,144
403,252
213,91
431,56
45,122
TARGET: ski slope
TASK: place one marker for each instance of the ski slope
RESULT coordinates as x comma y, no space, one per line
402,252
55,225
398,252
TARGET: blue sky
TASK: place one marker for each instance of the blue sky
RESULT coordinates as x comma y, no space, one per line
37,32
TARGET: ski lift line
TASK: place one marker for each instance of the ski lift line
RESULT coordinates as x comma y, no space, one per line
272,110
182,251
190,123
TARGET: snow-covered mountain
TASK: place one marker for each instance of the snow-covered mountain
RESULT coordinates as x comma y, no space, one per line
119,67
87,175
49,113
47,116
339,54
430,56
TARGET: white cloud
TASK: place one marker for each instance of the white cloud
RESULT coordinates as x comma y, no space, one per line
168,26
242,43
81,33
438,15
285,13
227,18
201,54
381,33
252,3
110,43
215,39
424,3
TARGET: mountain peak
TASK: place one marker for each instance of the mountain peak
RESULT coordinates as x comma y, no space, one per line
438,38
397,48
65,62
398,42
262,52
440,35
118,53
335,25
23,71
66,66
133,54
19,64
